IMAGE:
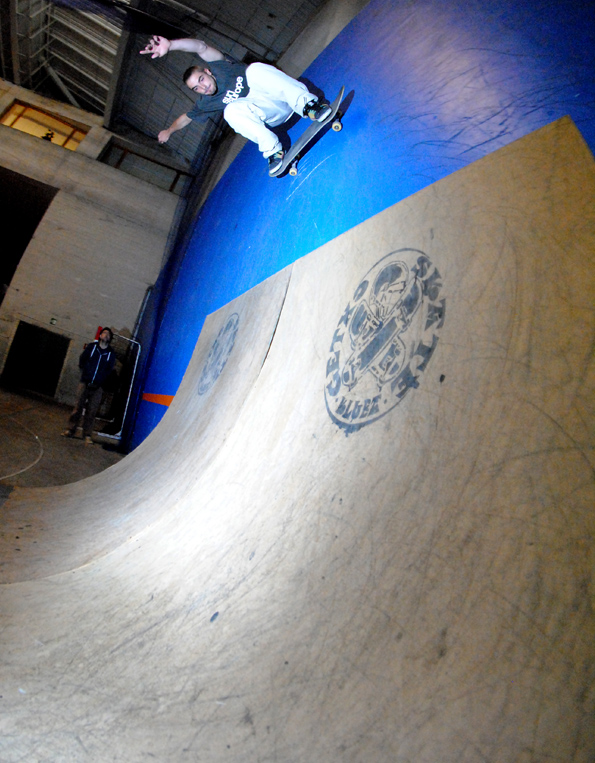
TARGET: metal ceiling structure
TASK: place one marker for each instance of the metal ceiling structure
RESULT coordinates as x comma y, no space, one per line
68,50
88,56
62,53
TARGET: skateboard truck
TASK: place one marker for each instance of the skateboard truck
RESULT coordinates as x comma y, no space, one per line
336,126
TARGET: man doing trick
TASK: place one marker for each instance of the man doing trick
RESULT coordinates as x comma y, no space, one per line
251,97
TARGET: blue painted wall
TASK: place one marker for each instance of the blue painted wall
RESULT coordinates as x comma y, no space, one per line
436,84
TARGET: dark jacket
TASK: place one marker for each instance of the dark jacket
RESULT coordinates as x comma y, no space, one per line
96,364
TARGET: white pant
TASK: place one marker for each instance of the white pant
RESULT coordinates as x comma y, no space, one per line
274,96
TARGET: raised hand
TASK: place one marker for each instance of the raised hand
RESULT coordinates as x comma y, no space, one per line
157,47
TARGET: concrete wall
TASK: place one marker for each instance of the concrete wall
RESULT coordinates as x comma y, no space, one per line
98,247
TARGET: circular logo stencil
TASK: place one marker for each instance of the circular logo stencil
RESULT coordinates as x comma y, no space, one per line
218,355
384,339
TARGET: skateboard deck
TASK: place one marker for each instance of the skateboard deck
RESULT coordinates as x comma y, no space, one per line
302,144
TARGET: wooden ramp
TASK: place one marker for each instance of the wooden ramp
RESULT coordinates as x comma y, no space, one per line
60,529
373,543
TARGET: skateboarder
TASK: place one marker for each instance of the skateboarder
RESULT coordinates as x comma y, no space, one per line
251,97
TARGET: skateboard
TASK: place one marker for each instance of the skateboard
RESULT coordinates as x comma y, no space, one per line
300,147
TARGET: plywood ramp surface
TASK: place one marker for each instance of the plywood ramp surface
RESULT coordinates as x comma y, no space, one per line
45,531
389,555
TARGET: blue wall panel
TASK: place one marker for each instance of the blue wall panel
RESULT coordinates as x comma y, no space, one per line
434,85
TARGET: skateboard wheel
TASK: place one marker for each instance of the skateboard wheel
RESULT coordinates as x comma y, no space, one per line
337,126
293,171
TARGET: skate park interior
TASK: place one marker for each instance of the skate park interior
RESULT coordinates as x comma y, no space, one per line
431,88
283,570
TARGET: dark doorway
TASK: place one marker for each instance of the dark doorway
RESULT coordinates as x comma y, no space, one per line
35,360
23,202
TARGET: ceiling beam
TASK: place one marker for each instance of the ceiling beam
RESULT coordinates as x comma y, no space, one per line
14,43
57,79
107,67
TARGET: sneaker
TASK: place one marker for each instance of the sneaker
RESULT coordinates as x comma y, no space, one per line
317,111
275,161
88,441
68,433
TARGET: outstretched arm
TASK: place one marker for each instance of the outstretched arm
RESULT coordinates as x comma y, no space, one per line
182,121
161,46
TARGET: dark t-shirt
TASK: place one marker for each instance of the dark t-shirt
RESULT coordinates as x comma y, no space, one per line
231,85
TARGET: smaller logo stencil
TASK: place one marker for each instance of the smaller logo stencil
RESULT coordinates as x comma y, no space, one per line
219,354
384,339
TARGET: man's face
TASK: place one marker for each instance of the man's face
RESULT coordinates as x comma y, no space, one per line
104,336
202,82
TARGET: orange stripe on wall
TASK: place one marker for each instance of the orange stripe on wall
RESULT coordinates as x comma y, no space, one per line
160,399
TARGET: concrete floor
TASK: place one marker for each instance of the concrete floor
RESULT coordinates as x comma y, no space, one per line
34,454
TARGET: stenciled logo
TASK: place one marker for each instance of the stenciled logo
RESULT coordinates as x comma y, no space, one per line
384,339
233,95
219,354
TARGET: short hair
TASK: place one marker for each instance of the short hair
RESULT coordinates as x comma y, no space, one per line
190,70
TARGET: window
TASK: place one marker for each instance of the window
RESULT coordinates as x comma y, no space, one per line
161,175
43,125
